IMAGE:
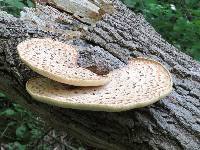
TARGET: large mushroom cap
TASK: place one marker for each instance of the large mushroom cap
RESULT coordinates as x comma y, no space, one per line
140,83
57,61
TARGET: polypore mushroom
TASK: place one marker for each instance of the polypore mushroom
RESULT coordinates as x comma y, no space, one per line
57,61
140,83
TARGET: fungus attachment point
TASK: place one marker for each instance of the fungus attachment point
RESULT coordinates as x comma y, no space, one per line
57,61
141,83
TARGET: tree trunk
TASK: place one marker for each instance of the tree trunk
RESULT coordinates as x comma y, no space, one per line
172,123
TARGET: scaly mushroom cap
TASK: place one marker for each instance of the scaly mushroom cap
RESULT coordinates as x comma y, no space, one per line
140,83
57,61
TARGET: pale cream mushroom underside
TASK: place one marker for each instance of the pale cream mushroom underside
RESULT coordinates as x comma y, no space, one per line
141,83
57,61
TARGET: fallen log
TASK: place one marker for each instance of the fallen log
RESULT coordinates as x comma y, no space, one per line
172,123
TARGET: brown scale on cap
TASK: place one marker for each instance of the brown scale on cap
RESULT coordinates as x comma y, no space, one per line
140,83
57,61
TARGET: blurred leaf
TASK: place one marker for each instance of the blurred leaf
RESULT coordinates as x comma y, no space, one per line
15,3
30,3
15,6
36,133
81,148
11,123
21,131
130,3
16,146
8,112
2,95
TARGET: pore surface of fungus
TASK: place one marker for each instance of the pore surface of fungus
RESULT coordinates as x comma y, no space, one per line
140,83
57,61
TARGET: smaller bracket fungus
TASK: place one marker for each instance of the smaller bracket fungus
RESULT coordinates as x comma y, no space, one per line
57,61
140,83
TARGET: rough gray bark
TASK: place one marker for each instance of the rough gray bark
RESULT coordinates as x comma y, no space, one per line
172,123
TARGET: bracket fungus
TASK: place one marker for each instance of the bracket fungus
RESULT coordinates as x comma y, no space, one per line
140,83
57,61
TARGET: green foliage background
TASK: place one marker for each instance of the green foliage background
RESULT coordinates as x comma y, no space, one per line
15,6
177,21
18,127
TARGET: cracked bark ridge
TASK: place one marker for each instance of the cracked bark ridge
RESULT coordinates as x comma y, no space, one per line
97,59
172,123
